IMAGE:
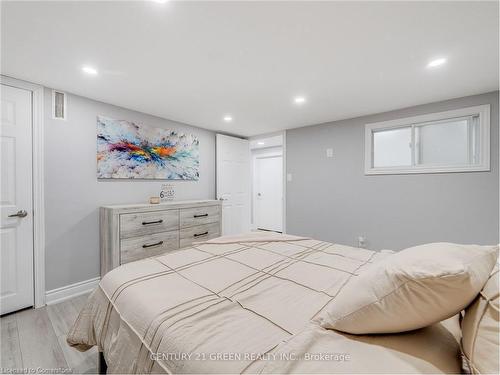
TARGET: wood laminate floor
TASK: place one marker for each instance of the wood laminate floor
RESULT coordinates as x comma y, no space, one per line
36,339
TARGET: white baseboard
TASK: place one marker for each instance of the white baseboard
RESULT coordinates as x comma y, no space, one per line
69,291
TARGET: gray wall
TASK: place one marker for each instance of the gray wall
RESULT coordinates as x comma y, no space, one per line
73,194
332,199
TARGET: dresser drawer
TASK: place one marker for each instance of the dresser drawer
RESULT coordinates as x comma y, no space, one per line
189,217
199,233
147,246
139,224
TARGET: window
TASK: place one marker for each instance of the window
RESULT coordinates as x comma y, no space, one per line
452,141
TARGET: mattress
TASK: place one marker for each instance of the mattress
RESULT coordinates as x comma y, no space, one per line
245,305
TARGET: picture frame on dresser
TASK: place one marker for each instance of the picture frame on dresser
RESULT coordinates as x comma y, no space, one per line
136,231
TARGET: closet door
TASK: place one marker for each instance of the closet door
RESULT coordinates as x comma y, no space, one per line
233,183
269,192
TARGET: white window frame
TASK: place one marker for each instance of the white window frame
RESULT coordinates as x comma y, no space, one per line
484,141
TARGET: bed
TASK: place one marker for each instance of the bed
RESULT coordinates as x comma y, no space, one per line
246,304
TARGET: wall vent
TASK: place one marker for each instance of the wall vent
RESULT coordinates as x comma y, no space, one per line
59,105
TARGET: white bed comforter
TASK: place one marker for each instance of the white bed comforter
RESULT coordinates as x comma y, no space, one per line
235,305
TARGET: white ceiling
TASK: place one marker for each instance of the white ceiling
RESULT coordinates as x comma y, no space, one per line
195,62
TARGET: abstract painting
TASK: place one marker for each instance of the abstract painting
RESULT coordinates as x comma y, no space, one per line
129,150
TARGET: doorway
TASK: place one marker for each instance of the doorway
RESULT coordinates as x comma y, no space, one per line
269,193
267,183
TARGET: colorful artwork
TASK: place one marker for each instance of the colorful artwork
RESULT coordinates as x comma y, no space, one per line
129,150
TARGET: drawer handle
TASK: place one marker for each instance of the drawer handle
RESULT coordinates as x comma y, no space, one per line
204,215
200,234
153,244
152,222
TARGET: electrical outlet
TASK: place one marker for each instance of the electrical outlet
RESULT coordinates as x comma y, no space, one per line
361,242
289,177
329,152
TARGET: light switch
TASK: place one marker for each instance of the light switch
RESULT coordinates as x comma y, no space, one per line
289,177
329,152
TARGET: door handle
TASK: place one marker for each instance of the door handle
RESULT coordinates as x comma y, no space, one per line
20,213
222,199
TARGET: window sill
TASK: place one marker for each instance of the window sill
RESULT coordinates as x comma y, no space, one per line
422,170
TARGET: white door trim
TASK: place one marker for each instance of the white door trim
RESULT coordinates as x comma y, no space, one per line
285,182
38,179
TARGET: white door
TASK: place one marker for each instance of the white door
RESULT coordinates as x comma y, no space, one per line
269,193
233,183
16,231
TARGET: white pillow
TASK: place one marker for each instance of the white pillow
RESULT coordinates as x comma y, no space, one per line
480,329
411,289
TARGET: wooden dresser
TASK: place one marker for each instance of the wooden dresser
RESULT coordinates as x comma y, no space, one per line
136,231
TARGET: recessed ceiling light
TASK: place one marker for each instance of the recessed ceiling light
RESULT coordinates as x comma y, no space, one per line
436,62
299,100
261,143
89,70
228,118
